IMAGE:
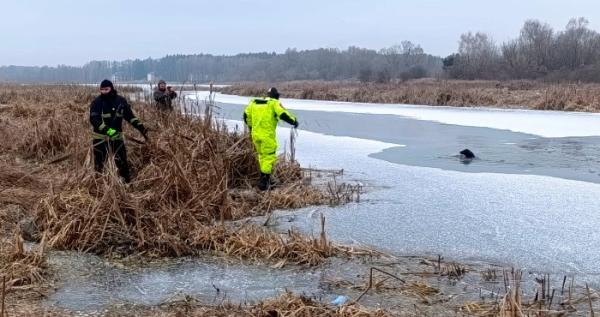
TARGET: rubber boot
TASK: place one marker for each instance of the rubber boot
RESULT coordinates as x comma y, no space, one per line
272,183
264,183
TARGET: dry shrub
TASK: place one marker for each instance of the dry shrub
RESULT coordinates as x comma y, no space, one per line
514,304
103,216
19,192
20,111
20,267
56,133
193,174
458,93
44,121
10,216
11,174
288,304
38,97
296,195
342,193
191,177
259,243
287,171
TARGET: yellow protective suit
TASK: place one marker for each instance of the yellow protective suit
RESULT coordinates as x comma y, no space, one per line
261,116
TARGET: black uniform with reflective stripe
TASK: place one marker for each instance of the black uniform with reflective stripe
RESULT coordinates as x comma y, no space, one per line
108,111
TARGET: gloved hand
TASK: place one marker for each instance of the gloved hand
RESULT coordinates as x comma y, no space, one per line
113,134
296,124
143,130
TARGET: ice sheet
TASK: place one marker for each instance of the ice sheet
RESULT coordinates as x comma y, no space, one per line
541,123
535,222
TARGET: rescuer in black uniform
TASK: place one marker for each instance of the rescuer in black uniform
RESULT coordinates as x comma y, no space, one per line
106,116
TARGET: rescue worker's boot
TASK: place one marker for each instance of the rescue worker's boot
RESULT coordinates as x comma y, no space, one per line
272,182
124,173
264,182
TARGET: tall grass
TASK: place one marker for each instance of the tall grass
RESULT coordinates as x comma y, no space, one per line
456,93
192,177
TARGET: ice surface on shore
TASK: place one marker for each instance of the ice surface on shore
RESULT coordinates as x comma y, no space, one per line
535,222
541,123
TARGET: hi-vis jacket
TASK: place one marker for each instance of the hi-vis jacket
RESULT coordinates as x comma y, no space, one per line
261,116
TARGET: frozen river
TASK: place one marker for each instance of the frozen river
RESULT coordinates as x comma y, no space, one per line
531,199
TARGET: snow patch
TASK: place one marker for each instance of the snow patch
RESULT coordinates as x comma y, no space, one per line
540,123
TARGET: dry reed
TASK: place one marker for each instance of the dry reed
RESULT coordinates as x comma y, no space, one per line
21,268
288,304
457,93
191,177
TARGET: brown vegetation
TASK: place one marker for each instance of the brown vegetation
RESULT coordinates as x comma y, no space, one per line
20,267
192,176
287,304
455,93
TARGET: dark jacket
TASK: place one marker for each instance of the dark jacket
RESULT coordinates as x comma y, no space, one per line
164,99
108,111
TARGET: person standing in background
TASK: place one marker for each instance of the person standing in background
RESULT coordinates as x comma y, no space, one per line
164,95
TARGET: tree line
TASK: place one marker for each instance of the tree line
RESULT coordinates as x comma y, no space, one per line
540,52
404,61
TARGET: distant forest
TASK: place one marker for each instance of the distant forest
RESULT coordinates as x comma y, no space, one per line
539,52
403,61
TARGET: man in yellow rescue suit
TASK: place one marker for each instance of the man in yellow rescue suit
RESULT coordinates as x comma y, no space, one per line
261,117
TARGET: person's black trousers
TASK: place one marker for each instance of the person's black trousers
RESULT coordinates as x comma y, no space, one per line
116,148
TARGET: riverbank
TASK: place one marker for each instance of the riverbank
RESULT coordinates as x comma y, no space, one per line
171,222
185,193
456,93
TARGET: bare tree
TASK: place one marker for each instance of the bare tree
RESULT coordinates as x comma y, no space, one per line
578,45
530,55
536,42
538,52
478,56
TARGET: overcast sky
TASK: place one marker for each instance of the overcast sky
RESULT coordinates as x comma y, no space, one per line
51,32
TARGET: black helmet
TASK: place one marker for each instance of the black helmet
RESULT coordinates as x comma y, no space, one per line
273,93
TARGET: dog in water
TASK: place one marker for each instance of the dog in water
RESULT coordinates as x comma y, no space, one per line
466,156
